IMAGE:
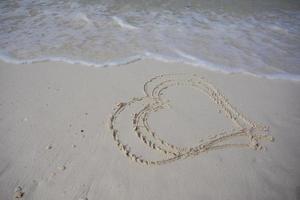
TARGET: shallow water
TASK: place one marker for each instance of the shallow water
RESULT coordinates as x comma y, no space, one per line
258,37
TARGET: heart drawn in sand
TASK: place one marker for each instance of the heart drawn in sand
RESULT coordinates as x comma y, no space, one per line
153,101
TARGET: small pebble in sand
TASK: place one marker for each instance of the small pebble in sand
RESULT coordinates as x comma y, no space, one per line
81,130
62,168
86,113
49,147
18,193
74,145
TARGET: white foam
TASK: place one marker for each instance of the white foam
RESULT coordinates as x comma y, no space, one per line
192,60
8,59
217,68
148,55
278,29
122,23
83,17
98,35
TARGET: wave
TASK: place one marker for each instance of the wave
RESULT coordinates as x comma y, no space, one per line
260,42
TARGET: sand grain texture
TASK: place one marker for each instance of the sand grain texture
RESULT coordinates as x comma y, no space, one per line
45,104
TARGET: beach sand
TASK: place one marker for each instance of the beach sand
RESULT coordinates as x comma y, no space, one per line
56,141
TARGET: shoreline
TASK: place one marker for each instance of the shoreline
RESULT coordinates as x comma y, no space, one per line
54,141
156,58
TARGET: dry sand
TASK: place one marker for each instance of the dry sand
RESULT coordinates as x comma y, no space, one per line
56,139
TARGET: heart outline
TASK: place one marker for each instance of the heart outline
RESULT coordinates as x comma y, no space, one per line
254,131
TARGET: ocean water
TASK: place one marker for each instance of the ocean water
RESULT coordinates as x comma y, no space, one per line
234,36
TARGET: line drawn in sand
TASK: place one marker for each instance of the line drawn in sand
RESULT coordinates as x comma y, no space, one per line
153,101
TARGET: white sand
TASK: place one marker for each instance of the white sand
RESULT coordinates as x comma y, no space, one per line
55,144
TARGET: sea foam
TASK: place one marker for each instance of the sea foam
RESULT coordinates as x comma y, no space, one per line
262,42
122,23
